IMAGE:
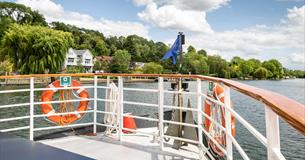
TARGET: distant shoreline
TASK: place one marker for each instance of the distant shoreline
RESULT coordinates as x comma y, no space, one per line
21,82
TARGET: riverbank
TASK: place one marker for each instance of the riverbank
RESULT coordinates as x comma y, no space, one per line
87,80
17,81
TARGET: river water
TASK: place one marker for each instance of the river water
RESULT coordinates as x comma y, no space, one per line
292,142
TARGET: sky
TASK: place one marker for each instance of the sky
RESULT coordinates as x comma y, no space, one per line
262,29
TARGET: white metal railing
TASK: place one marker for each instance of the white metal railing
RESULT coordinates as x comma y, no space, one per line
271,141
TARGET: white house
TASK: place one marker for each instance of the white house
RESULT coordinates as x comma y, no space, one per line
134,65
79,57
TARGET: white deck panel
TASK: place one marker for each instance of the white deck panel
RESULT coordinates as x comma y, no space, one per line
134,146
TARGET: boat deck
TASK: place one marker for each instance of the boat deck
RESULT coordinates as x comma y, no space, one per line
16,148
134,146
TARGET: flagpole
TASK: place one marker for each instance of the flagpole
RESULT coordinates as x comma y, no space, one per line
173,52
181,42
180,102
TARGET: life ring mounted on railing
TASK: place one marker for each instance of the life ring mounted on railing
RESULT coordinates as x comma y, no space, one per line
216,112
47,108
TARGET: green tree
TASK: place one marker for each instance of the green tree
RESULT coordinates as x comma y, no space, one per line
75,69
138,48
137,71
246,68
254,63
5,23
261,73
161,49
203,52
218,66
236,72
236,61
36,49
115,43
275,67
270,67
101,65
21,14
298,73
99,47
191,49
85,38
6,67
195,63
120,61
152,68
235,67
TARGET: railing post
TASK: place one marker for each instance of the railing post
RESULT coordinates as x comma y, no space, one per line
228,124
121,110
272,133
32,108
161,99
108,80
106,95
199,115
95,105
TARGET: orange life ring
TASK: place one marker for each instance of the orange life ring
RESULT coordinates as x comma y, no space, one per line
47,95
219,94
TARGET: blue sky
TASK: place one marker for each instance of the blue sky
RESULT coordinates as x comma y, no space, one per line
237,14
245,13
260,29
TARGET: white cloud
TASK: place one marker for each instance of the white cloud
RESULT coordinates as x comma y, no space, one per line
263,42
142,2
198,5
298,58
282,41
169,17
179,14
55,12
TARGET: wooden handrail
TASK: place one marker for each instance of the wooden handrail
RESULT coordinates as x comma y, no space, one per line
291,111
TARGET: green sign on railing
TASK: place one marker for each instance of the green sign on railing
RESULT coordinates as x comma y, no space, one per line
65,81
211,86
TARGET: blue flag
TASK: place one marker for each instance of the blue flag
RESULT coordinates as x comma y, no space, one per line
173,52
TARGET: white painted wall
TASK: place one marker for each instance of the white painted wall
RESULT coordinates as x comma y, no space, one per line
74,58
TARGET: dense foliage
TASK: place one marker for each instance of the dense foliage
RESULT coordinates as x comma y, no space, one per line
152,68
102,66
75,69
120,62
35,49
17,13
33,46
5,67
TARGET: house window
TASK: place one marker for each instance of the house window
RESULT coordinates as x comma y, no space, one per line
87,61
71,60
79,59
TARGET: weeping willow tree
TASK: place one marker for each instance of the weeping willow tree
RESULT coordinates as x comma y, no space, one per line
36,49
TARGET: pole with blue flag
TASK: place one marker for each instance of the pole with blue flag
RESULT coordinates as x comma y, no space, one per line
175,50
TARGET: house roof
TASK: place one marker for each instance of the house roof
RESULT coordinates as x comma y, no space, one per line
104,58
79,51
